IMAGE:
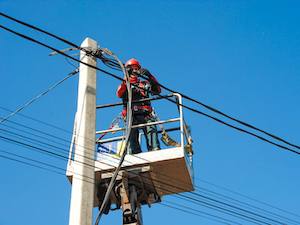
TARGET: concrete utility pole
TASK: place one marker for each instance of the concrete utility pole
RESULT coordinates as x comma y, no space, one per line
82,197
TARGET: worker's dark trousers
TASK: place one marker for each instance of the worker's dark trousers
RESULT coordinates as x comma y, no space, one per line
150,133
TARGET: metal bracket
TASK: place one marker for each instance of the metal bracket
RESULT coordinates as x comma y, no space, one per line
63,50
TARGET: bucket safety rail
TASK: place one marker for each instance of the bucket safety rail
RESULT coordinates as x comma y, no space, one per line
185,131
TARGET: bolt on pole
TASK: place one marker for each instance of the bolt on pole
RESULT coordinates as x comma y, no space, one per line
82,196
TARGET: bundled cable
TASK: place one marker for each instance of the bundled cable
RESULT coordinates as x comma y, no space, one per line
129,125
109,62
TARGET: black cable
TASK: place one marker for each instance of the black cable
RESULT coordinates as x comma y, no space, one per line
30,138
240,129
26,138
220,121
228,210
216,208
229,205
58,149
36,161
44,151
247,205
89,52
248,197
111,63
32,134
70,75
40,167
35,28
30,164
193,209
21,136
20,114
223,114
50,169
60,52
39,130
189,212
216,119
280,139
34,148
129,126
173,101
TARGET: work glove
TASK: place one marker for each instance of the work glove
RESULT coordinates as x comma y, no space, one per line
145,72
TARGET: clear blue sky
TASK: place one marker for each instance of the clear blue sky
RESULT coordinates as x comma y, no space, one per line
240,57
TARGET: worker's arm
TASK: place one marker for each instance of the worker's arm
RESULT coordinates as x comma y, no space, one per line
155,86
121,90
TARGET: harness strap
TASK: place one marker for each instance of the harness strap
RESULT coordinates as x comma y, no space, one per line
136,108
169,141
141,85
147,107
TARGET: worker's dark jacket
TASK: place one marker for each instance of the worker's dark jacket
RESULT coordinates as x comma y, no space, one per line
140,90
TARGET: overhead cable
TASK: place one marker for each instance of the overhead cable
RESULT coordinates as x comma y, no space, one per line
232,207
198,200
89,52
168,89
42,122
247,197
240,129
16,160
60,52
18,110
128,131
174,186
223,114
265,133
34,165
38,29
193,209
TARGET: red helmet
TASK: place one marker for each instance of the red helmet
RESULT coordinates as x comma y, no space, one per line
132,62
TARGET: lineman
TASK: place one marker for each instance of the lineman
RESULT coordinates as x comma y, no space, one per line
142,111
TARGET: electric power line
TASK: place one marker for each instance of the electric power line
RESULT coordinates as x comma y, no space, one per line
18,110
271,142
193,198
63,174
218,120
